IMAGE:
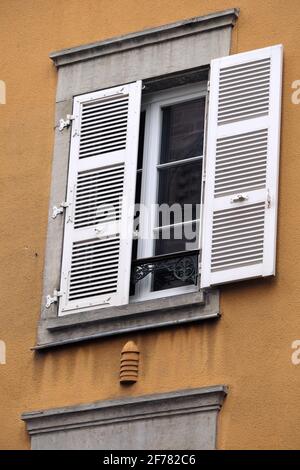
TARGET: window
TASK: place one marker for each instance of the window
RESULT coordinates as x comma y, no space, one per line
169,187
116,273
108,157
87,272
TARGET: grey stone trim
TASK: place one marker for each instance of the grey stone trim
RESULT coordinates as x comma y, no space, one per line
157,313
172,80
145,54
146,37
138,422
59,177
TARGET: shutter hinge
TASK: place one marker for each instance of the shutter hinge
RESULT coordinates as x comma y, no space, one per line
59,210
208,85
52,299
66,122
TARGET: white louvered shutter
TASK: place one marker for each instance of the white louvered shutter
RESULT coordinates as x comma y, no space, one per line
242,163
101,190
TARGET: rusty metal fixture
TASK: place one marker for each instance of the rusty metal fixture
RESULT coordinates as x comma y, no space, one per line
129,367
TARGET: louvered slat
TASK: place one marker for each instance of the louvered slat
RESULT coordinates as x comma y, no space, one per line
236,82
236,227
89,276
240,205
105,113
99,196
241,162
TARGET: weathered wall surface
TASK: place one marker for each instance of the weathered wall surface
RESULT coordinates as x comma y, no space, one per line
249,349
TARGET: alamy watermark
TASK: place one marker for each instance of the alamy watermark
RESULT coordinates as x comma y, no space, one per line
295,357
296,94
2,92
2,343
2,352
154,222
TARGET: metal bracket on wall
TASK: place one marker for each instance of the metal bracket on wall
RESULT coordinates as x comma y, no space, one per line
59,210
52,299
65,122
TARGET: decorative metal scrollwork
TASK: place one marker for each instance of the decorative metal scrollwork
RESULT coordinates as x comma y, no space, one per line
183,266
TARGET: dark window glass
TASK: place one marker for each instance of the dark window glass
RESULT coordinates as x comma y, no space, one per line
136,213
166,280
141,140
182,131
181,185
138,186
181,238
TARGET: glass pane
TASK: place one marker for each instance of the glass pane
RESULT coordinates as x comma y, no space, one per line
180,238
138,187
182,131
180,187
139,179
136,222
136,212
165,279
141,140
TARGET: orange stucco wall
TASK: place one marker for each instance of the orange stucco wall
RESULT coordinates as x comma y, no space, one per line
249,349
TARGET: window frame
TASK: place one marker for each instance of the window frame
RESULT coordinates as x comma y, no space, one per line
153,104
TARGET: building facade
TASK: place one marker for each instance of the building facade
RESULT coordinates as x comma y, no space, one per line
116,332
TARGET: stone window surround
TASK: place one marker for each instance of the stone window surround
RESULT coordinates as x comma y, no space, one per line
101,65
181,420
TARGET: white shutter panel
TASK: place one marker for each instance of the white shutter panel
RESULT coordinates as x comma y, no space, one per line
101,190
242,163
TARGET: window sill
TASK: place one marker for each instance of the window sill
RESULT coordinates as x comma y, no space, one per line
138,316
